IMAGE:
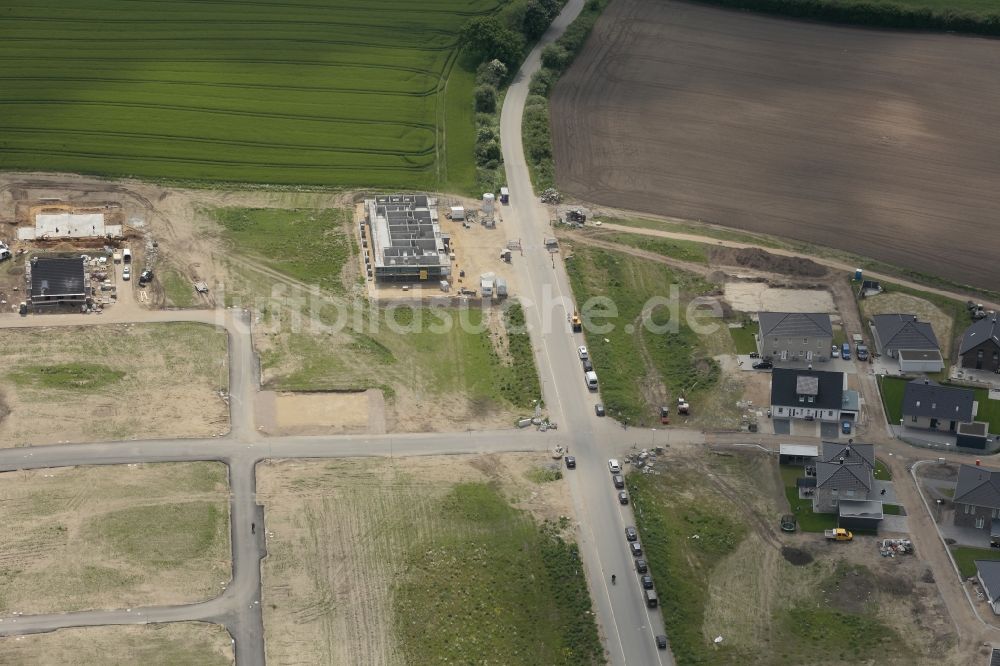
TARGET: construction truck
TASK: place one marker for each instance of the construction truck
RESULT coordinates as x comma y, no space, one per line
576,322
838,534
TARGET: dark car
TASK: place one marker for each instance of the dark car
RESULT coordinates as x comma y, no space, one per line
618,480
647,582
599,409
145,276
640,565
623,497
661,642
587,365
636,548
570,462
631,534
763,365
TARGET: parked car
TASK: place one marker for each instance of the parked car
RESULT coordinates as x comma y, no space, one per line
641,566
647,582
845,351
570,462
614,466
127,273
618,480
622,497
651,600
631,534
636,548
582,351
835,352
661,642
763,365
599,409
862,352
845,427
587,365
145,276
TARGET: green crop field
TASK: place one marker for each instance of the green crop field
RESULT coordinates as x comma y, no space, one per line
322,92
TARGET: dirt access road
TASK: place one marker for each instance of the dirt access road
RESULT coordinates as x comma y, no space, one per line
875,142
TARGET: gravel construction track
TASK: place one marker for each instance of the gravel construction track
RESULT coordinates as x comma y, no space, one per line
881,143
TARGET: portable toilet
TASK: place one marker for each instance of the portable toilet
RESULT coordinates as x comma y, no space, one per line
488,199
504,195
857,274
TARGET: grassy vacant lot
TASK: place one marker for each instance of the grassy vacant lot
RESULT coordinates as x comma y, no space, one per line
721,567
745,338
112,382
802,508
438,363
422,561
966,557
640,369
175,644
179,291
326,93
892,389
684,250
113,537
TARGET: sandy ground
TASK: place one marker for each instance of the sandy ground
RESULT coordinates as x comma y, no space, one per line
334,533
880,143
171,387
757,296
54,557
320,413
899,303
190,643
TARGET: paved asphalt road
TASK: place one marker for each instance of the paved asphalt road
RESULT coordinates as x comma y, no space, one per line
628,626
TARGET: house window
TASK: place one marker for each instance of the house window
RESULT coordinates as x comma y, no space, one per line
830,413
849,493
805,341
968,509
980,522
913,419
979,355
812,399
781,410
994,513
802,398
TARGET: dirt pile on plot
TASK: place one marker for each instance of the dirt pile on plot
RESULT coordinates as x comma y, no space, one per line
796,556
761,260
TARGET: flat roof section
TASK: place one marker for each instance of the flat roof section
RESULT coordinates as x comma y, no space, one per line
803,450
405,234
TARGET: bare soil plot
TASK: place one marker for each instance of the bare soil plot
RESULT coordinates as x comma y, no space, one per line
756,296
113,382
880,143
113,536
175,644
340,538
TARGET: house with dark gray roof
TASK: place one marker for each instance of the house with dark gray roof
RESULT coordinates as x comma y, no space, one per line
896,332
977,500
795,336
806,394
988,574
980,348
844,472
57,281
928,405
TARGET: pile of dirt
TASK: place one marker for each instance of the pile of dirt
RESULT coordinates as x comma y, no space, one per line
796,556
761,260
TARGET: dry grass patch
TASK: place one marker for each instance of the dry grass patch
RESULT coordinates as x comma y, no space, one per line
113,536
895,302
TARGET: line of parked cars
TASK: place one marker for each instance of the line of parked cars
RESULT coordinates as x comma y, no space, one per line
634,547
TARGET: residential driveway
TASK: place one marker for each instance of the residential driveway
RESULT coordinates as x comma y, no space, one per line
965,536
890,494
782,426
829,430
896,524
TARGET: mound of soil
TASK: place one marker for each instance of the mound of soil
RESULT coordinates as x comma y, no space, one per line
761,260
796,556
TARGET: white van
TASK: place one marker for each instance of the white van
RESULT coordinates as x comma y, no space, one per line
127,256
591,378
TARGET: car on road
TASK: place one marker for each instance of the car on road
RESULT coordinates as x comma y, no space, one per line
570,462
845,427
614,466
661,642
587,365
599,409
641,566
647,582
631,534
618,480
582,351
127,273
636,548
763,365
622,497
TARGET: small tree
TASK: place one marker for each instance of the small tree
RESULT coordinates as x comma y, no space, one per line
555,57
495,73
488,39
536,19
486,99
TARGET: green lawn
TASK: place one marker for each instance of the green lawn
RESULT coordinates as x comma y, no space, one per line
178,290
67,376
630,352
744,338
326,93
523,598
892,509
965,558
802,508
882,472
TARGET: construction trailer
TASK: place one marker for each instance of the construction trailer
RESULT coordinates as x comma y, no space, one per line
406,239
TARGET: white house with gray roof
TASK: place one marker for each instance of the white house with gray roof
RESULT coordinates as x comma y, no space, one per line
795,336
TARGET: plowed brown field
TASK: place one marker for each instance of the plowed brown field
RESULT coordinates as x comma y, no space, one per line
881,143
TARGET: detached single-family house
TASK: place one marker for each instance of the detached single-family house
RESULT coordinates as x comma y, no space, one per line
896,333
806,394
845,476
927,404
977,500
980,348
988,574
795,336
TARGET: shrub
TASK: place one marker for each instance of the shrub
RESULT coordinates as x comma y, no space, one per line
486,99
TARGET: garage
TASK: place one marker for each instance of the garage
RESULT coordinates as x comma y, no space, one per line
920,361
859,515
782,426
